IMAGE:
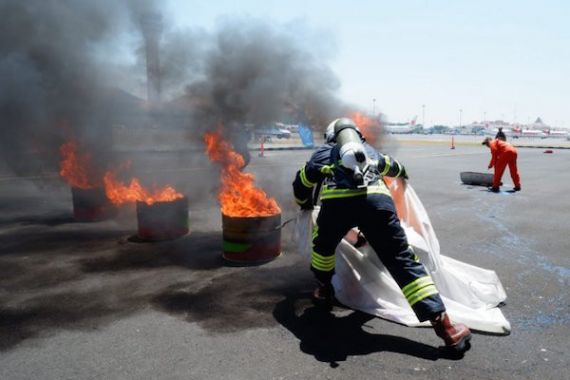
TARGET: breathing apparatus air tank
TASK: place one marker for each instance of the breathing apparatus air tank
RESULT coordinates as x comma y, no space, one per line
352,153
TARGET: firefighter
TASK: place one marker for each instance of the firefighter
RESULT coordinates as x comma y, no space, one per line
353,194
503,154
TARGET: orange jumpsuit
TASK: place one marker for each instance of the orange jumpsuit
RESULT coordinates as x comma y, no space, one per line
503,154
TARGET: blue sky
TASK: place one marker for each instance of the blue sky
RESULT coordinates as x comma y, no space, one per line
503,59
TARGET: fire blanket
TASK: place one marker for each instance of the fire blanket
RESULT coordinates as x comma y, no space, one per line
471,294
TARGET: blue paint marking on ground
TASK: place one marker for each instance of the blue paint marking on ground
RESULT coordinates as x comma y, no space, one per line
558,315
521,245
530,259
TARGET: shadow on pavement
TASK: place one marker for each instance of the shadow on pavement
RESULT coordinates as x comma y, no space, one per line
43,314
198,250
48,219
70,241
84,277
237,299
332,339
61,280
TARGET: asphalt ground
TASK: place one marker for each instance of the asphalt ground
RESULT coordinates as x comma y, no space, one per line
85,301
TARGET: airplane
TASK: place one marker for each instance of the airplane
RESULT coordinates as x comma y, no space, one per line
516,132
557,133
400,128
532,133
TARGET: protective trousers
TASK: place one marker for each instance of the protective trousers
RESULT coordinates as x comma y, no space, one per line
504,159
382,229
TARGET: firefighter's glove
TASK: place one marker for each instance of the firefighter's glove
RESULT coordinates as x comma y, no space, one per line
307,206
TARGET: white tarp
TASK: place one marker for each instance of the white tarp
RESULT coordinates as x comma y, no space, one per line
471,294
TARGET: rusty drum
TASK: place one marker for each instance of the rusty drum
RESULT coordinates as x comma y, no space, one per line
91,205
251,240
162,220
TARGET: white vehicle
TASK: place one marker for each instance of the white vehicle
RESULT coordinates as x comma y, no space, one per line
401,128
280,133
557,134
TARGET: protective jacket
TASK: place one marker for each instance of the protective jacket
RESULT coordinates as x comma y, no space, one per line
325,167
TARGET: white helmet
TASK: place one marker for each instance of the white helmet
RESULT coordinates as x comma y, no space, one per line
329,133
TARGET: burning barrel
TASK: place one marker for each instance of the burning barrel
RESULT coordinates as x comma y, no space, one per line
91,205
164,220
251,240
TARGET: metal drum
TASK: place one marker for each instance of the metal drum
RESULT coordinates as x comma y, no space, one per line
91,205
162,220
251,240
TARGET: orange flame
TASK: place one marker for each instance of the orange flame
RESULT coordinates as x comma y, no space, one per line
238,195
369,127
74,166
120,193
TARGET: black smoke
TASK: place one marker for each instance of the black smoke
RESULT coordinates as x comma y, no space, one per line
76,69
257,73
54,82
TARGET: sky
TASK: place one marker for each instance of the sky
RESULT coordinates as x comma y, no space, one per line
446,62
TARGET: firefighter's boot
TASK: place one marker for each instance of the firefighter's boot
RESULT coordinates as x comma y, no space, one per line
323,295
456,337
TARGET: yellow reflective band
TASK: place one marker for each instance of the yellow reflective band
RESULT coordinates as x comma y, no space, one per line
321,258
300,202
322,268
324,263
399,171
315,231
346,193
342,193
417,284
327,169
386,165
430,290
378,190
304,179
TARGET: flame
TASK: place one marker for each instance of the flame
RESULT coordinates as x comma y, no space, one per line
369,127
120,193
74,166
238,196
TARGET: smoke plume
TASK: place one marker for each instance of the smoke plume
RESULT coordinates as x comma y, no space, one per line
61,61
54,82
256,73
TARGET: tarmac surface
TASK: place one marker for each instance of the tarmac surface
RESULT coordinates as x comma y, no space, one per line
86,301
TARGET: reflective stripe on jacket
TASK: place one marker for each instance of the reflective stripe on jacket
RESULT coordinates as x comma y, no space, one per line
325,164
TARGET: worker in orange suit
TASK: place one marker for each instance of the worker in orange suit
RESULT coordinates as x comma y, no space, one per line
503,154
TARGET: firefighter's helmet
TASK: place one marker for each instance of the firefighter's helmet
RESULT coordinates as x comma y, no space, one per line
338,125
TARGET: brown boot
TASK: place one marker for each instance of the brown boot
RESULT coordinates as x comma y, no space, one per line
323,295
456,337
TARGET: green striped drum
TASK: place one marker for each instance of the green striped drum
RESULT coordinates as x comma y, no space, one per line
251,240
